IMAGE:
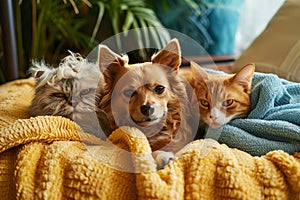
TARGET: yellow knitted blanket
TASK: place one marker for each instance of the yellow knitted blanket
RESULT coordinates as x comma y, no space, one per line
52,158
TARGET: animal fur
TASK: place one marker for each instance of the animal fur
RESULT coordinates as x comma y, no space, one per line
130,88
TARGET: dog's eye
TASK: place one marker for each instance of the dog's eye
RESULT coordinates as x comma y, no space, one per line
227,103
129,93
159,89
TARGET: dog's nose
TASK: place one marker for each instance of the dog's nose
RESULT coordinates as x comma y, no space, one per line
147,109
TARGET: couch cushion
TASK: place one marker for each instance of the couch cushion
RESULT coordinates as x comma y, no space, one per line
277,48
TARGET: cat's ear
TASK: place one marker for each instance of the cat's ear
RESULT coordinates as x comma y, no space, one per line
108,60
38,74
38,69
170,55
198,72
244,76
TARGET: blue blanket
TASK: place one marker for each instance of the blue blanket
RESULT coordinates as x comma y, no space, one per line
273,122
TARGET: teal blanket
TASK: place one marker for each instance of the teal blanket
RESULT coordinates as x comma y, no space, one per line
273,122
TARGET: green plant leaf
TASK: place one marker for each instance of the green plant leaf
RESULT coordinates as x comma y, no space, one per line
193,5
145,32
128,21
101,7
155,38
138,33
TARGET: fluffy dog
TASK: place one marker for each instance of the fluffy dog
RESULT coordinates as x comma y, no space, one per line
151,96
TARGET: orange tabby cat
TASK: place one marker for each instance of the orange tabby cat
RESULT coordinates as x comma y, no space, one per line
221,97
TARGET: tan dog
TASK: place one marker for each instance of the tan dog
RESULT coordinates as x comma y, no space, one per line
150,96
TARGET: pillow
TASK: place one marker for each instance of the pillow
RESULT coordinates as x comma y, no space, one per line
214,28
223,23
277,48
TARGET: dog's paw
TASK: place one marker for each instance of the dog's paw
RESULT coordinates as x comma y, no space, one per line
162,158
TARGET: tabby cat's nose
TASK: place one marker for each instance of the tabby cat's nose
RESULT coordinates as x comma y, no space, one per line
73,101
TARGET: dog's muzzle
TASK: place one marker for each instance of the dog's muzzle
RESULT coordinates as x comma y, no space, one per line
147,109
149,118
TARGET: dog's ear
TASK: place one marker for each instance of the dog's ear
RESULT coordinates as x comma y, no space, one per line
170,55
108,60
198,73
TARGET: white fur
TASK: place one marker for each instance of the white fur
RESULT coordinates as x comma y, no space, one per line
162,158
67,69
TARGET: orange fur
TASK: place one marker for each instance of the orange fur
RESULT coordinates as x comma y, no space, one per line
150,96
221,97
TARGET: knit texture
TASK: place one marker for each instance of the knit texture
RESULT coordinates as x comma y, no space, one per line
52,158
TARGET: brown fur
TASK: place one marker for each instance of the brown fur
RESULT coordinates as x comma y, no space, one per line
131,86
221,97
69,90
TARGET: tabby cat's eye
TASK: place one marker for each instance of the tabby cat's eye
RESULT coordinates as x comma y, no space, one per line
129,93
159,89
227,103
85,92
59,95
204,103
